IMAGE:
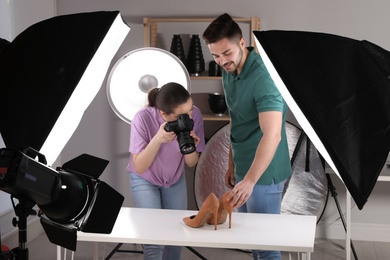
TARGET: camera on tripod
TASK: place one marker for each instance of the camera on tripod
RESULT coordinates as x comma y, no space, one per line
182,128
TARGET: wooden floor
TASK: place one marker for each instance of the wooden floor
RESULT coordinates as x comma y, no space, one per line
41,249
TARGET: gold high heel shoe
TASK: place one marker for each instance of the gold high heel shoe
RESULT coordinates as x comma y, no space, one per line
224,209
208,210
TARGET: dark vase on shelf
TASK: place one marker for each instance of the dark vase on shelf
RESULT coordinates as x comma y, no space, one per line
217,103
177,48
195,62
214,69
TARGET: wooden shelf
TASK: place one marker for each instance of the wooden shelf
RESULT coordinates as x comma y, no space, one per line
211,117
206,77
151,26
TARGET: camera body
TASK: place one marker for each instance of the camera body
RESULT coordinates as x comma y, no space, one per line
182,127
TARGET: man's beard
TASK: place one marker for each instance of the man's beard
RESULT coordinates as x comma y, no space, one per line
236,63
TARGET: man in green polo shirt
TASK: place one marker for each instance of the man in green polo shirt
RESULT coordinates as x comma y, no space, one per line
259,161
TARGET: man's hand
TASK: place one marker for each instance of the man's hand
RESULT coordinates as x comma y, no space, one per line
229,178
240,193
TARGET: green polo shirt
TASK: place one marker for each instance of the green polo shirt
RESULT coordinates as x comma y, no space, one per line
247,95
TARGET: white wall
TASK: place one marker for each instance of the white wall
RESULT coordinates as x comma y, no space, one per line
16,16
104,135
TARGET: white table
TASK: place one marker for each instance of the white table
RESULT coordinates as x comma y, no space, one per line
290,233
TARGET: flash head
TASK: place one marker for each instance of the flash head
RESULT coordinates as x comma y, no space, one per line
70,199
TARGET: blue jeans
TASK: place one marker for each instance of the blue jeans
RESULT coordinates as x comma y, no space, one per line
148,195
265,199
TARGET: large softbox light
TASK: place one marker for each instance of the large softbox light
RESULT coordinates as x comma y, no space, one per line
339,91
50,74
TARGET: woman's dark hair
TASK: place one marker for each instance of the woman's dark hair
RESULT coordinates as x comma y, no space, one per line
222,27
168,97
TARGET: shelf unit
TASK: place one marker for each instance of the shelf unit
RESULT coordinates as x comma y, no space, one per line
151,26
151,31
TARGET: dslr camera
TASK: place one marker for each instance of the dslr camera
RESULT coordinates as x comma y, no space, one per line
182,127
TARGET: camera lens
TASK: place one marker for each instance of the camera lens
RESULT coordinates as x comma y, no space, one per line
186,142
187,149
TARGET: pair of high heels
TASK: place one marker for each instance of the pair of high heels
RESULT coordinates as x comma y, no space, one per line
213,212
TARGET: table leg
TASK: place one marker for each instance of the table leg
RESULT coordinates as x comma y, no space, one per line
95,250
58,253
305,255
348,227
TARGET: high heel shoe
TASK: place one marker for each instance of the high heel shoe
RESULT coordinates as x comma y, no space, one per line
208,210
224,209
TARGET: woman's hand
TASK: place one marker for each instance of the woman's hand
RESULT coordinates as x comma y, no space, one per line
196,138
192,158
163,136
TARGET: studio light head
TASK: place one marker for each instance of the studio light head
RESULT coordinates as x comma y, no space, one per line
24,177
70,198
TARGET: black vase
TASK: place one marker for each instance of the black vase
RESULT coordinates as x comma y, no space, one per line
195,62
177,48
217,103
214,69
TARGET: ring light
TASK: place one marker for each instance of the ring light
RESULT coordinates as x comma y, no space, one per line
139,71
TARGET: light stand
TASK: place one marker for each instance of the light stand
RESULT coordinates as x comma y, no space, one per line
331,187
23,209
117,249
334,194
196,253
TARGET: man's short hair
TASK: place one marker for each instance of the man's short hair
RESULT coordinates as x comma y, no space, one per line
222,27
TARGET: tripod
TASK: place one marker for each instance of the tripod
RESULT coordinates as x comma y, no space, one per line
23,209
117,249
334,194
331,187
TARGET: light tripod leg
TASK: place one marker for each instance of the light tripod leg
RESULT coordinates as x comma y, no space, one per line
334,194
117,249
196,253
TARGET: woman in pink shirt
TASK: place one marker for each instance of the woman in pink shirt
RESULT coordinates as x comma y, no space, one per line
156,163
